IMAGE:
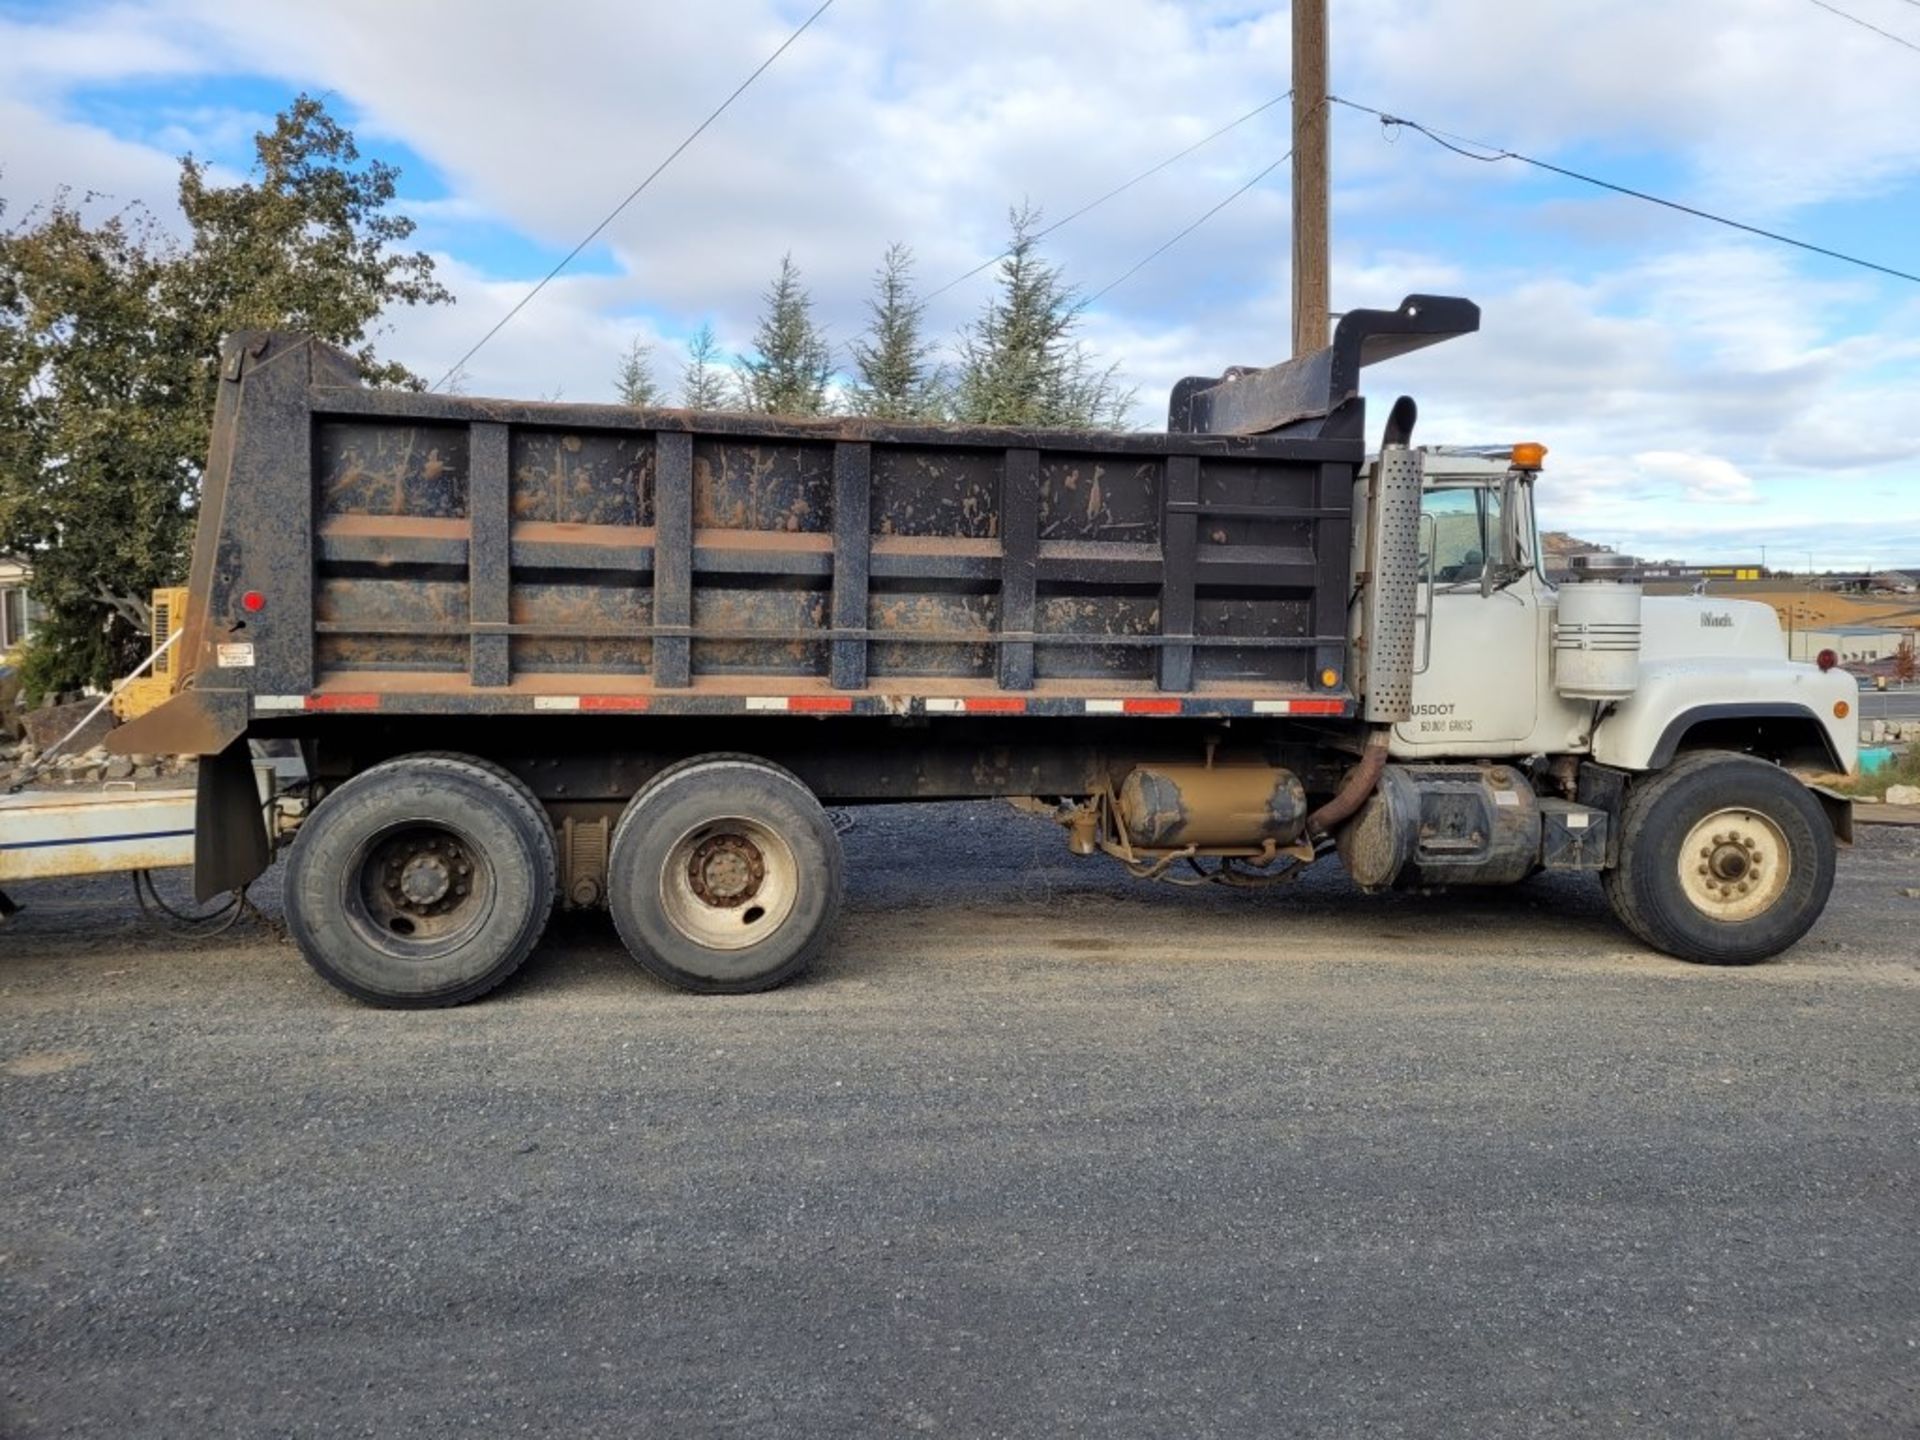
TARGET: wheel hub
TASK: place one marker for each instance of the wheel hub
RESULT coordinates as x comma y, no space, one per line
729,883
425,879
427,876
1735,865
1733,862
726,870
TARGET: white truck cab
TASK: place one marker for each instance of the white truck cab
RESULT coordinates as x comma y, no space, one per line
1667,743
1491,655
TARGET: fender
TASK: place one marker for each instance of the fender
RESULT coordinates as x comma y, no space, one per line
1645,731
1677,728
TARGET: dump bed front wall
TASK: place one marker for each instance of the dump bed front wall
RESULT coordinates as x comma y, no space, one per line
460,551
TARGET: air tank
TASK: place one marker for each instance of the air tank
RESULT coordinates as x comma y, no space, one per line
1596,635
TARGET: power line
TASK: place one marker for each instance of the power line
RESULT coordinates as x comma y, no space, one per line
1868,24
1447,142
614,213
1160,250
1122,189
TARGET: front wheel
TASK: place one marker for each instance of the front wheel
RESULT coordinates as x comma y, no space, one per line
724,875
1724,860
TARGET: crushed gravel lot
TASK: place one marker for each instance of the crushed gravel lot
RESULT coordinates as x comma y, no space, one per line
1038,1151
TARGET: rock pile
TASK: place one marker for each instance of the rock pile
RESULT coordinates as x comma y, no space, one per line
1889,732
91,767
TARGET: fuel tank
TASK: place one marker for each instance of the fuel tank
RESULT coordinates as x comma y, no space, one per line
1225,806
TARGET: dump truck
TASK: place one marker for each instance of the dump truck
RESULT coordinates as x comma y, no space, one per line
586,656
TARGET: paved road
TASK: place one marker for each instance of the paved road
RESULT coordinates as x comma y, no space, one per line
1889,704
1038,1153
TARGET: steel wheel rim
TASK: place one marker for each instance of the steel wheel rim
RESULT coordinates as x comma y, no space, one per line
1735,865
419,889
729,883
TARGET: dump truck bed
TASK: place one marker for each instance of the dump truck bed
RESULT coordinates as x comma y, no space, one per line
381,550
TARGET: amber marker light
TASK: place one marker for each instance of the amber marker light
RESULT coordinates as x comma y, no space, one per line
1329,678
1841,709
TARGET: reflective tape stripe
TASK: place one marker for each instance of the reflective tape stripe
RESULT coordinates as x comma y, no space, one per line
997,705
279,702
556,702
1150,707
767,702
946,707
343,702
1106,707
820,704
1299,707
615,702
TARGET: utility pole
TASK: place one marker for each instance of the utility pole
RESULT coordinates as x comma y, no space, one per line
1312,284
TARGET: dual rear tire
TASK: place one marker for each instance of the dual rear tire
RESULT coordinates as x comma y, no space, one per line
428,880
725,875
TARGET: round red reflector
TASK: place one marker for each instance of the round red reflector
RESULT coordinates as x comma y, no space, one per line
1826,659
253,602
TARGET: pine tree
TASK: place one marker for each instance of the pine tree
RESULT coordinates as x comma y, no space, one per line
703,384
897,377
788,372
1019,361
633,381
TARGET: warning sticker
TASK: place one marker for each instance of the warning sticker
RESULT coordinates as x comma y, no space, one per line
234,657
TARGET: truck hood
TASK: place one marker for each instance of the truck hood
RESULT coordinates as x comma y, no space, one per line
1679,627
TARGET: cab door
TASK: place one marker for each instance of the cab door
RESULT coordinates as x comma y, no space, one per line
1476,640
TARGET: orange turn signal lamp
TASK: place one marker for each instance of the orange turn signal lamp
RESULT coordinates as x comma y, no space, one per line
1530,455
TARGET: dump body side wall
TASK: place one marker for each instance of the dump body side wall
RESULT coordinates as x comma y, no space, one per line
437,554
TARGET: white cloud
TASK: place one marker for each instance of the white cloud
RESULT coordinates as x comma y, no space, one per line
1748,374
1704,479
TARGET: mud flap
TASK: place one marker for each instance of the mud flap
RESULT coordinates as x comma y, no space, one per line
230,845
1839,808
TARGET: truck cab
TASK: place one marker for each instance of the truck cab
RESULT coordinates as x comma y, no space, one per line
1491,657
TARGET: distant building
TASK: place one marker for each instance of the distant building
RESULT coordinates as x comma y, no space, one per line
1870,582
16,613
1679,570
1856,645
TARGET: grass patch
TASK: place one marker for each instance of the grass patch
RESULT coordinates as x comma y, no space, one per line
1905,770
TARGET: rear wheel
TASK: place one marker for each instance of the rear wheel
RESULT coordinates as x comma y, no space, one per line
423,881
1724,859
725,875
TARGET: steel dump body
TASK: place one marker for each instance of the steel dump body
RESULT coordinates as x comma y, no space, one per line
440,554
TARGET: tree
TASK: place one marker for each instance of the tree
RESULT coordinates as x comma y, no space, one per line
1019,361
898,379
309,245
703,384
110,336
788,372
633,381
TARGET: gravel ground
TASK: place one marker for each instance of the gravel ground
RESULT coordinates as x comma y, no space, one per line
1039,1151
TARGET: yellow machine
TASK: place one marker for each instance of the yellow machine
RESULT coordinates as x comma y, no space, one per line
152,690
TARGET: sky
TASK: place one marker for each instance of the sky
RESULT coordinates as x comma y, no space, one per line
1704,393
